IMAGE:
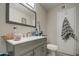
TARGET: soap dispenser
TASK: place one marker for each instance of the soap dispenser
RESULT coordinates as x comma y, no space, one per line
14,30
36,32
17,36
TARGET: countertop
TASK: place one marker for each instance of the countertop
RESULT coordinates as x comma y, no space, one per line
25,39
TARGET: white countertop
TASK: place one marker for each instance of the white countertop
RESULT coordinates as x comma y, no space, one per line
25,39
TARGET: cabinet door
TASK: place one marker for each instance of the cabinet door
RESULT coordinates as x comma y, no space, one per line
44,50
40,51
37,51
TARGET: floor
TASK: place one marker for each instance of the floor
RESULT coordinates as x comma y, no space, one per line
57,53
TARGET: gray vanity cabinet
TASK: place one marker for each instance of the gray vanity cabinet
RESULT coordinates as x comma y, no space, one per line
31,48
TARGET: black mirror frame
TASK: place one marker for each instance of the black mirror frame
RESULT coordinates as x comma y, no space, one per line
11,22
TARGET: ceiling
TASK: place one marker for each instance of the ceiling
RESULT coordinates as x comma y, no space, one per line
49,6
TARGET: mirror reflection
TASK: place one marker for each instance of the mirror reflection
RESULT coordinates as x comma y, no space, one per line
20,13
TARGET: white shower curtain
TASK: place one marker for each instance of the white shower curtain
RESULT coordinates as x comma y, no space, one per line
66,46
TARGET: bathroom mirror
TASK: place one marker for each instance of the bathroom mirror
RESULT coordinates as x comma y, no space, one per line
18,13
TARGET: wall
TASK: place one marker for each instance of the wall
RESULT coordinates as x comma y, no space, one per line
42,19
51,27
52,23
5,28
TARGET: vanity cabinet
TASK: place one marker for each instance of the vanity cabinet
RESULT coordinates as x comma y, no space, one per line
30,48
